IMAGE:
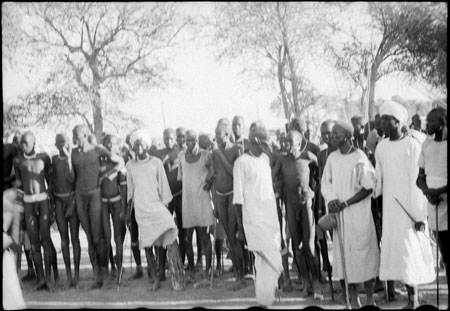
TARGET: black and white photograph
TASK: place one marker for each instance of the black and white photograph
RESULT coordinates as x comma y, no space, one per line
224,155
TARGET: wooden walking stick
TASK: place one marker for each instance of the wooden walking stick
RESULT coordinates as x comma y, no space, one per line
437,258
341,247
213,253
330,281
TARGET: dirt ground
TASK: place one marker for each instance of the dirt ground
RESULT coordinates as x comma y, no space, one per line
136,293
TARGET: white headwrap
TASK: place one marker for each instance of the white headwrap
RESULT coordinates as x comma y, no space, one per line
396,110
345,125
141,134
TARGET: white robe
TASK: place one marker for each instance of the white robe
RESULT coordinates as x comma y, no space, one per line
405,254
343,177
252,186
147,185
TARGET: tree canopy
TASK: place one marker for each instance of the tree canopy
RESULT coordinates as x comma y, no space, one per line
94,54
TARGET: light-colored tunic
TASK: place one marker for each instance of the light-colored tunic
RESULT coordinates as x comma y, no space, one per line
147,185
252,186
343,177
433,159
196,207
405,254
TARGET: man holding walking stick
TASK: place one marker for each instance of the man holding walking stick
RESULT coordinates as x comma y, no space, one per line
347,182
432,180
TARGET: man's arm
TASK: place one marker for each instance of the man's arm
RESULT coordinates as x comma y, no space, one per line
240,235
210,176
18,177
360,195
238,197
276,168
103,152
431,194
69,175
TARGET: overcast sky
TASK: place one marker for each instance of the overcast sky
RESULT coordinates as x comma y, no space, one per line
210,90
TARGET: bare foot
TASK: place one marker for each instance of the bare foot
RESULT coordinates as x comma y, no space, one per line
155,286
371,302
203,283
67,285
238,285
137,275
318,296
287,288
96,285
409,305
30,276
306,293
113,273
39,285
217,272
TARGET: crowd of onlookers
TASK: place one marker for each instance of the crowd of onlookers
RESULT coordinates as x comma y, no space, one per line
366,187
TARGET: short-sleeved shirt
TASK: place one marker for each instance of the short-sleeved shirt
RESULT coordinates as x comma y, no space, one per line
433,159
196,208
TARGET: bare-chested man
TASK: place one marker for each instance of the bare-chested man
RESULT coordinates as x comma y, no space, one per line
238,133
113,192
65,211
169,158
195,171
320,208
223,156
32,171
300,217
181,138
9,152
86,164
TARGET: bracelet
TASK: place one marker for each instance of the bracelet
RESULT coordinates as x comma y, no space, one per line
345,204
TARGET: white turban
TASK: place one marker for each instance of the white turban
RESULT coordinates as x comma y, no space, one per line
143,135
396,110
345,126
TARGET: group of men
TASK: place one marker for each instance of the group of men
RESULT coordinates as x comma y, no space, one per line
238,189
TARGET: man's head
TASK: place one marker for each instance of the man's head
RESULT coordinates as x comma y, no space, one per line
436,120
238,127
293,142
341,134
28,142
222,131
191,140
16,138
80,133
358,126
169,137
325,130
61,141
205,141
259,138
140,141
416,123
393,117
298,124
111,143
92,139
181,138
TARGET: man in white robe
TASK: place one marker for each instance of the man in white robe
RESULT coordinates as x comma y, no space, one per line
148,187
254,200
347,182
405,251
